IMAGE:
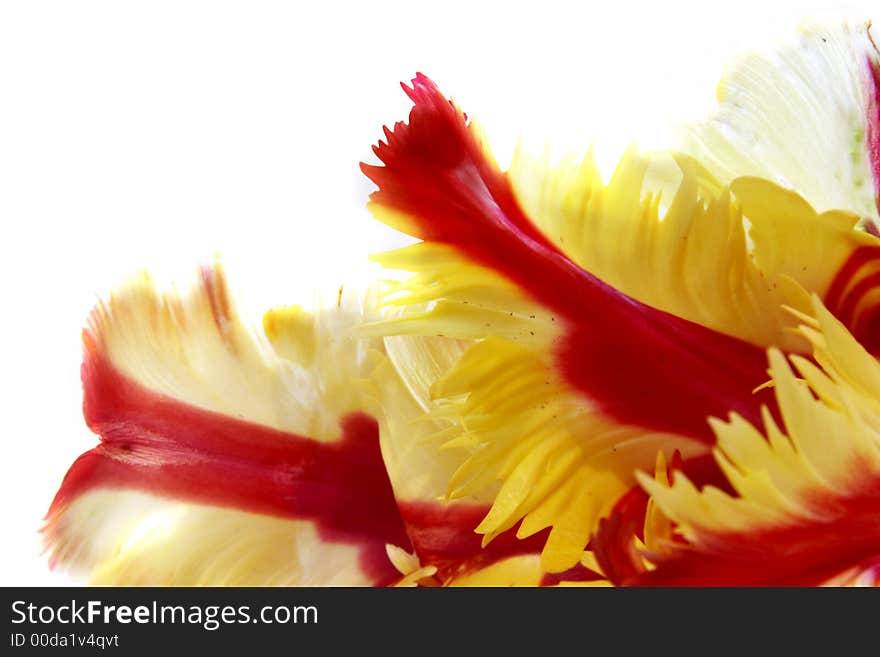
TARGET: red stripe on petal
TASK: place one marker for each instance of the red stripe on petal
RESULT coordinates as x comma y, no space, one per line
874,122
641,365
849,306
854,296
861,257
153,443
218,297
443,536
577,574
612,542
806,554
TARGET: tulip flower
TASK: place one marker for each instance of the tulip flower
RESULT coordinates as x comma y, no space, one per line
668,378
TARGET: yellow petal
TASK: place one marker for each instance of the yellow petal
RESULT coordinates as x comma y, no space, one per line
797,115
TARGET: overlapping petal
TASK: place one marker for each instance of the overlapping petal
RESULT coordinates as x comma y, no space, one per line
804,510
492,419
574,385
220,463
563,454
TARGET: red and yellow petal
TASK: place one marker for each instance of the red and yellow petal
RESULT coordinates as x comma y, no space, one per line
823,253
571,385
806,493
447,552
559,338
678,246
205,473
397,389
439,182
797,138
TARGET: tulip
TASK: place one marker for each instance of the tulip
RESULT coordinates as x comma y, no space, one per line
668,378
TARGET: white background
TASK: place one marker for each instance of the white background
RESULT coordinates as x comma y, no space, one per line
155,134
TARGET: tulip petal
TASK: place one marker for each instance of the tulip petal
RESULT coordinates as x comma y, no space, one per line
397,391
791,239
805,505
689,258
126,537
203,443
439,182
804,116
443,537
822,253
694,259
573,385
